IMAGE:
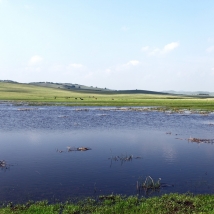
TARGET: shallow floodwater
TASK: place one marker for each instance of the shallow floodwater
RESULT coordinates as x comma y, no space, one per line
31,135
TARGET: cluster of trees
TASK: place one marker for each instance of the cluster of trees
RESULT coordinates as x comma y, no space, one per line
8,81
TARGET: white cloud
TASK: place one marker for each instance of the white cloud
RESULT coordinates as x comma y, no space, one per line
35,60
157,51
75,66
128,65
169,47
133,62
210,49
108,70
146,48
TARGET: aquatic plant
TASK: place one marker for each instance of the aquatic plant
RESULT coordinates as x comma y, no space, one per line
3,165
83,148
199,140
60,151
123,158
149,184
70,149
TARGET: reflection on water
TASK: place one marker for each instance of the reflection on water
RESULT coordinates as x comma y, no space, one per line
169,154
31,137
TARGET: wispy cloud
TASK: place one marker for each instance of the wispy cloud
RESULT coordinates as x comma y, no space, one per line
210,49
133,63
160,51
27,7
128,65
75,66
108,71
144,49
170,47
155,51
124,28
122,67
34,60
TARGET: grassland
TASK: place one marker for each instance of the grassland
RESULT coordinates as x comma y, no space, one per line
166,204
37,95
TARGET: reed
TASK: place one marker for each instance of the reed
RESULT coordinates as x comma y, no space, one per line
150,184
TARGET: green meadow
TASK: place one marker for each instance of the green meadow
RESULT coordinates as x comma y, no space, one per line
38,95
166,204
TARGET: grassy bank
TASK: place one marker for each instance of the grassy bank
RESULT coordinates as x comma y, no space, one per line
38,95
172,203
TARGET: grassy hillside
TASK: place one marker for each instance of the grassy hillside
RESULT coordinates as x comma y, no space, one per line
50,95
91,89
70,86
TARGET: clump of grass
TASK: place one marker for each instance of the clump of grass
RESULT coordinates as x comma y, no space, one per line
199,140
123,158
149,184
4,165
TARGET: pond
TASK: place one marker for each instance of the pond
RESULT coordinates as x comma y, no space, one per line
125,146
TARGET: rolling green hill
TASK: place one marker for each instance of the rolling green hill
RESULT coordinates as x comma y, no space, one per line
89,89
66,94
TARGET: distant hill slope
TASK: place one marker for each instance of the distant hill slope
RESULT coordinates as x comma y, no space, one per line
194,93
77,87
92,89
70,86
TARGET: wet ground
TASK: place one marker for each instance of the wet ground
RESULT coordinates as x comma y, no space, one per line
125,146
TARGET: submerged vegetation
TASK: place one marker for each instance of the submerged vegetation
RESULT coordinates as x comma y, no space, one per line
171,203
150,184
73,149
199,140
4,165
123,158
38,95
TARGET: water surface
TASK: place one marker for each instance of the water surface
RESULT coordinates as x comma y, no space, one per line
30,137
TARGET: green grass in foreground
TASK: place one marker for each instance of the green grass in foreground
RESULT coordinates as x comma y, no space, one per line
171,203
37,95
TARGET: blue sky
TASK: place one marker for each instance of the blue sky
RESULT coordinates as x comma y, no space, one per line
151,45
